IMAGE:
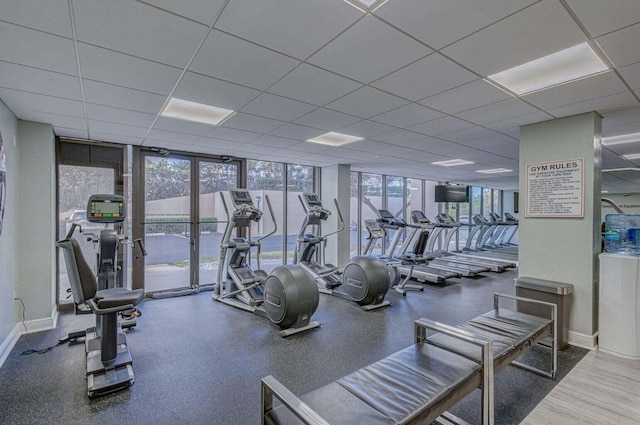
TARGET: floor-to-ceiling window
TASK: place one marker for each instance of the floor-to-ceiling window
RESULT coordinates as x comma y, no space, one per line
300,179
395,193
355,241
371,200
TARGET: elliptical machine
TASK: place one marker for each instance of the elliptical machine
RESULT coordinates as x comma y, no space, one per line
287,296
364,280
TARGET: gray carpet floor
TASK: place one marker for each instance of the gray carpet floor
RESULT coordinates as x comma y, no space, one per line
199,361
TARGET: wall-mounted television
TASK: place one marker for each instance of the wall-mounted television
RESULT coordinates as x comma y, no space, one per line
451,193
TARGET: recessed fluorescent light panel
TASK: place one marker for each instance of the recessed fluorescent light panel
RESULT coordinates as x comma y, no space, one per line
197,112
632,156
623,138
452,162
495,171
334,139
557,68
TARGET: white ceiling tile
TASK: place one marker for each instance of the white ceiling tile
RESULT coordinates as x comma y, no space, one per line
203,11
440,126
251,149
313,85
439,23
19,77
512,125
620,46
182,126
631,75
398,136
497,111
307,147
138,29
423,78
274,142
366,102
34,48
211,142
427,144
539,30
232,134
171,137
357,52
71,132
296,28
107,137
468,96
470,133
601,105
229,58
122,98
366,129
212,150
124,70
118,129
408,115
326,119
253,123
121,116
600,17
286,155
620,118
44,15
296,132
211,91
20,102
55,120
276,107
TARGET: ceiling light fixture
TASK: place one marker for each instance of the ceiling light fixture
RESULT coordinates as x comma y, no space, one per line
495,171
334,139
452,162
552,70
622,138
196,112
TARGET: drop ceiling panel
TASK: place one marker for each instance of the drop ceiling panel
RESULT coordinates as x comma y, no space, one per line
211,150
313,85
274,142
600,17
123,98
426,77
302,26
586,89
232,134
621,46
408,115
251,149
95,135
427,144
229,58
631,75
253,123
202,11
34,48
513,124
539,30
276,107
44,15
212,142
367,129
181,126
398,136
55,120
601,105
466,134
211,91
138,29
19,102
171,137
124,70
366,102
119,129
19,77
121,116
72,133
439,23
326,119
356,53
440,126
308,148
497,111
468,96
296,132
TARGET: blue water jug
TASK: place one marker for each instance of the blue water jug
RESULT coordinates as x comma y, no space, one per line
622,233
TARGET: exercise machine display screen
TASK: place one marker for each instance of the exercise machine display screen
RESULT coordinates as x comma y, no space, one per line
241,197
419,217
312,199
386,214
105,209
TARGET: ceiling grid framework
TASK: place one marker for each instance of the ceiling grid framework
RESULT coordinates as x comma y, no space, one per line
406,76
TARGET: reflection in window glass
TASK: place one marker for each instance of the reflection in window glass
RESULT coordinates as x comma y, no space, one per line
299,180
353,207
497,205
486,202
371,200
476,201
264,179
415,197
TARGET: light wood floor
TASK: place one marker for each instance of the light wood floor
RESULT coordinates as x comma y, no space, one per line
601,389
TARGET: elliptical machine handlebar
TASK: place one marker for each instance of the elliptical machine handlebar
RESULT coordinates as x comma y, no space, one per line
341,227
273,218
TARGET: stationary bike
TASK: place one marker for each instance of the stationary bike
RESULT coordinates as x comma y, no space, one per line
287,296
364,280
109,362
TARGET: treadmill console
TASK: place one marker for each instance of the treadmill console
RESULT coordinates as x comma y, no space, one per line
495,218
419,217
241,197
445,218
508,218
480,219
104,208
374,229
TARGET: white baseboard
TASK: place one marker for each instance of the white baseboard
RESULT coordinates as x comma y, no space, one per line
9,342
590,342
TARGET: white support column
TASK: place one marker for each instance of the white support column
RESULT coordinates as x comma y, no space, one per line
336,185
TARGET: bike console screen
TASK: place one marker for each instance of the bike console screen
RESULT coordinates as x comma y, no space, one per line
105,209
241,197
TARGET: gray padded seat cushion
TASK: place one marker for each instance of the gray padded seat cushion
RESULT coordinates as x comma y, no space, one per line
419,382
116,297
511,332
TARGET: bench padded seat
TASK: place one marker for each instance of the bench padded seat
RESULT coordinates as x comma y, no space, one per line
414,385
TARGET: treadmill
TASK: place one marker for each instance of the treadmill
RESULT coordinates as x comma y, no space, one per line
440,260
483,229
493,265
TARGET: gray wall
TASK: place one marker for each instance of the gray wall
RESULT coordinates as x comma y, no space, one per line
565,249
336,180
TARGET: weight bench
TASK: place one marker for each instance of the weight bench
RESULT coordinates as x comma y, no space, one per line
418,384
